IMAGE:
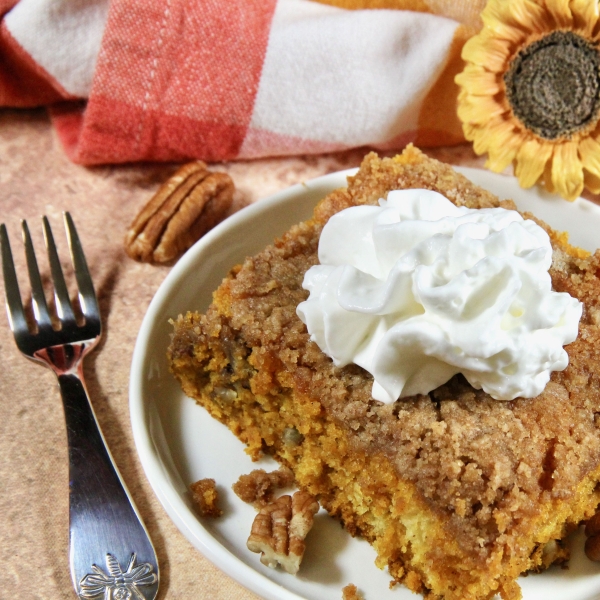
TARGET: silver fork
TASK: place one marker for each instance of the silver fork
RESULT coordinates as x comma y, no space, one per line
110,552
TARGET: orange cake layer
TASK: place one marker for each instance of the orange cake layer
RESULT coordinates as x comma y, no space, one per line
457,492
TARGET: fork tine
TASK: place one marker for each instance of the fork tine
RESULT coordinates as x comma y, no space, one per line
61,294
14,304
82,274
37,291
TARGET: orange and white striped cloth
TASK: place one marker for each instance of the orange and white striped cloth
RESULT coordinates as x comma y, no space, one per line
169,80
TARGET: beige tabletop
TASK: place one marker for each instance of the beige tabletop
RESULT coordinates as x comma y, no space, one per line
36,178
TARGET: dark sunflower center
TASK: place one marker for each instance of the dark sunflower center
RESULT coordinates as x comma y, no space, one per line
553,85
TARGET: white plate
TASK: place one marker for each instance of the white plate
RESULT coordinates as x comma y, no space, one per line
178,442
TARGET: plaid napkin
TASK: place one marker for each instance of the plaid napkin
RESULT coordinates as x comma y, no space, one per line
168,80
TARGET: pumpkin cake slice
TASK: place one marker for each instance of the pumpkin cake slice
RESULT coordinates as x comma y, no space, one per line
458,493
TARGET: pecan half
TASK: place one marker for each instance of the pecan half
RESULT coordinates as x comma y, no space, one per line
184,208
279,529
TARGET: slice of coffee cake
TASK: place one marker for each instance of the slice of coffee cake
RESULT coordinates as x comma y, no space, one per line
458,493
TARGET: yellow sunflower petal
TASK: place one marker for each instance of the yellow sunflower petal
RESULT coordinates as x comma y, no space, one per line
561,12
470,131
479,136
504,143
514,20
483,136
585,16
494,19
478,109
567,171
478,81
589,150
547,176
487,51
531,161
527,14
498,161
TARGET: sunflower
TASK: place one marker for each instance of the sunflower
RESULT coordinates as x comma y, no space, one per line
530,92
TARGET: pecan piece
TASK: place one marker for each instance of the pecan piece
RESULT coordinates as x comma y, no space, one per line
279,529
184,208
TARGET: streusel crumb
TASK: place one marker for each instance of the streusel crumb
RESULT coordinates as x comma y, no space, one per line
257,488
350,592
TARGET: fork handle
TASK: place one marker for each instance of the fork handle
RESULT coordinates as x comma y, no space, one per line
104,522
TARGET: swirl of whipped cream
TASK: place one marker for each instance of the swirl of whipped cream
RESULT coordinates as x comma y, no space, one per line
416,290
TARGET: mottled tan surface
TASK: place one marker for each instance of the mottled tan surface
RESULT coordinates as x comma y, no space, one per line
36,178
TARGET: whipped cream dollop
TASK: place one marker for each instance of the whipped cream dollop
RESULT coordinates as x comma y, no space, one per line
416,290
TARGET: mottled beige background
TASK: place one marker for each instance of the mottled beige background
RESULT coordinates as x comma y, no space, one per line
35,179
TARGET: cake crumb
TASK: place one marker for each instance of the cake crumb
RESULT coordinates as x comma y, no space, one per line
205,498
350,592
258,487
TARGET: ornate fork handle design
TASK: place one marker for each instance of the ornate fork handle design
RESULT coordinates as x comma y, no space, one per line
99,504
